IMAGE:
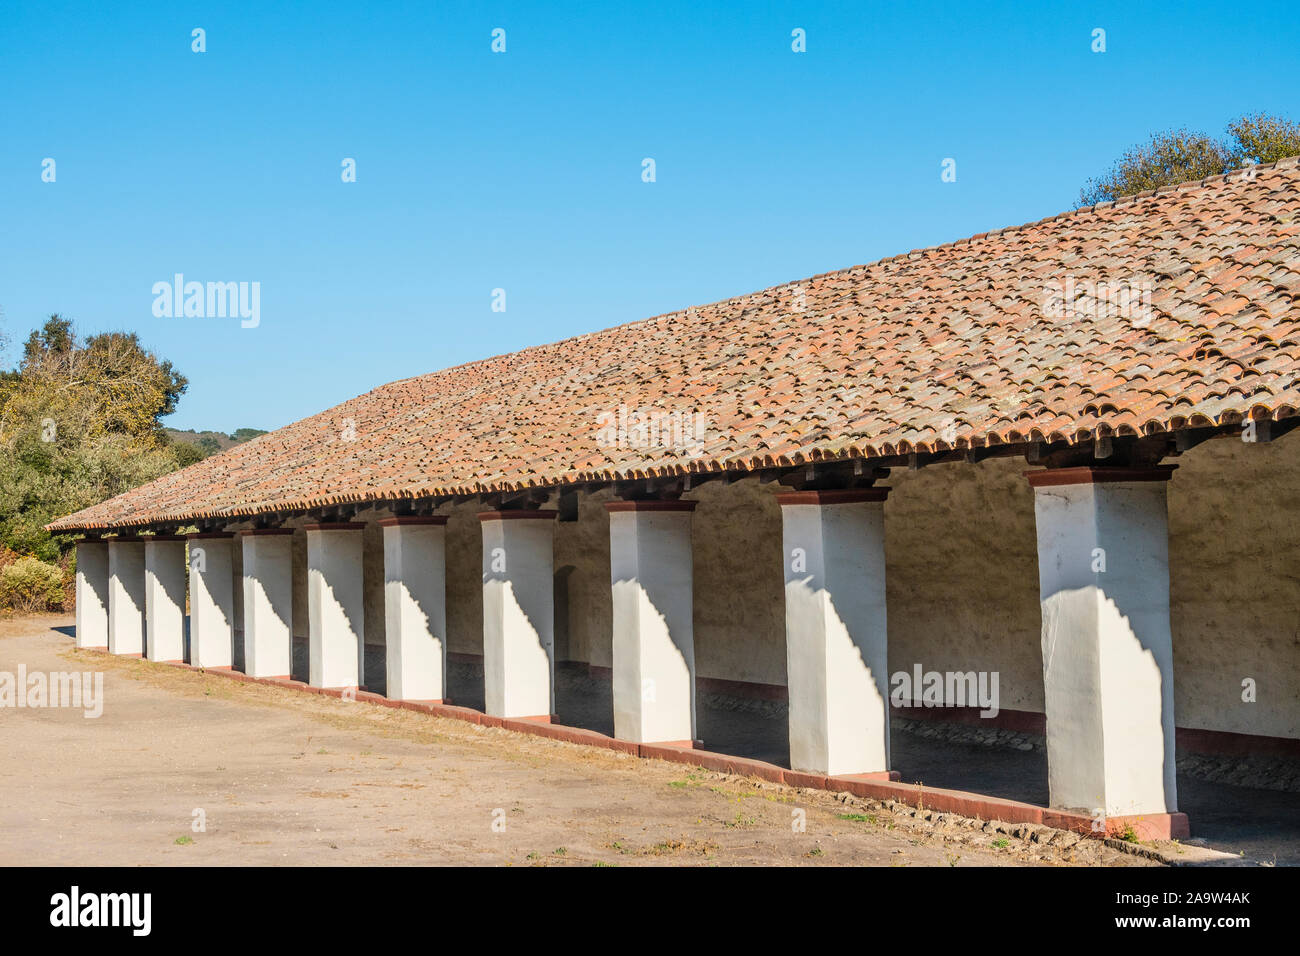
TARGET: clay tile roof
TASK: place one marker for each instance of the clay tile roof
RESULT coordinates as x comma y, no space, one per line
936,348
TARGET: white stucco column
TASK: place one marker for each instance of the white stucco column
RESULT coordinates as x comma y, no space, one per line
92,592
1103,570
837,661
415,607
268,601
336,604
518,614
164,597
651,574
126,596
212,599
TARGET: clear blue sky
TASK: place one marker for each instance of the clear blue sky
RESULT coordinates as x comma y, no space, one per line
522,170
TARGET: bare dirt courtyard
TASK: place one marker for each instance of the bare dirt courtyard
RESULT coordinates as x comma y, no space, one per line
282,777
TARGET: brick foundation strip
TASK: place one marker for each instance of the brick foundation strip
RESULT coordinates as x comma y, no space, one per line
882,787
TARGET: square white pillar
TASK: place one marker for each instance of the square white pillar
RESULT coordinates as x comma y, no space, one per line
268,601
164,597
126,596
519,614
837,660
651,574
336,604
92,592
415,607
212,599
1103,570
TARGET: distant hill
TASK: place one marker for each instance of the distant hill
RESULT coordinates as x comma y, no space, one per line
210,443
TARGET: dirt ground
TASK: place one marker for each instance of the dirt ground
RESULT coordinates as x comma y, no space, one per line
282,777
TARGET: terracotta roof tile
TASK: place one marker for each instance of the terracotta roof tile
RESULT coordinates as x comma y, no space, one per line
882,359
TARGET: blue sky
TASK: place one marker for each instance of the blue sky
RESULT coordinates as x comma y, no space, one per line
522,170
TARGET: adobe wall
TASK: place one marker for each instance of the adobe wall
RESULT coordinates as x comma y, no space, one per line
464,579
1234,541
961,553
584,546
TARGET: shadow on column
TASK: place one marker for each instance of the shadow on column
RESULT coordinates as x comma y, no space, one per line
375,677
465,680
300,668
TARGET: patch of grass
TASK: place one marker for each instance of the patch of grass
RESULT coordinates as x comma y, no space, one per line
857,817
736,795
184,841
690,780
603,863
739,822
703,847
559,851
1129,835
1001,842
816,851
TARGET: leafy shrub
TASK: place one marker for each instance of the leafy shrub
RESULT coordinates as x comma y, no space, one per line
30,584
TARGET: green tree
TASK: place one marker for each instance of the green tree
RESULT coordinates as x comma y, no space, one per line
1263,139
79,422
55,336
1181,156
187,453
